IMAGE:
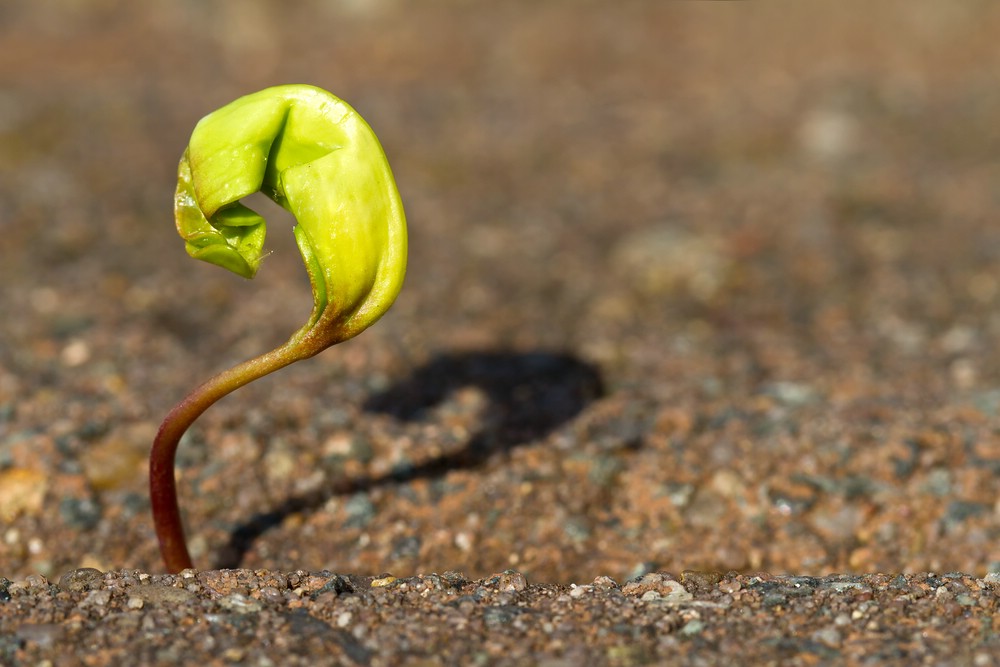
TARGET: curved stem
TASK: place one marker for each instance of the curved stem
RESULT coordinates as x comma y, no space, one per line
162,487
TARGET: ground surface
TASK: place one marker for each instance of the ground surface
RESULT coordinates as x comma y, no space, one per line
699,287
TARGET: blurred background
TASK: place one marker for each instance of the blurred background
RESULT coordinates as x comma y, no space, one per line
691,286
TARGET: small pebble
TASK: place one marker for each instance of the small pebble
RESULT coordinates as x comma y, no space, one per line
98,598
664,586
270,594
512,580
240,604
829,636
22,491
117,460
162,595
81,579
692,627
730,586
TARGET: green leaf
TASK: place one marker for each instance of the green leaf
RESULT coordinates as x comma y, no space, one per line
314,155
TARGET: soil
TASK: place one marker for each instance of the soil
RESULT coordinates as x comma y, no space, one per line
694,362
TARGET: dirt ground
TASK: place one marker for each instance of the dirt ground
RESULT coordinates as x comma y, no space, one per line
700,288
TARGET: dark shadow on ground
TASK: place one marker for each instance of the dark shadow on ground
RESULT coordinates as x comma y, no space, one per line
529,395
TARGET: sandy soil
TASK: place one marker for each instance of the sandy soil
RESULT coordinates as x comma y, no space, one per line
694,288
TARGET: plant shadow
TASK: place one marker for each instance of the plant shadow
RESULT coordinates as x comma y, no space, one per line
528,395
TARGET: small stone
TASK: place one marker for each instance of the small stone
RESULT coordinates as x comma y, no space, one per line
270,594
730,586
335,585
119,459
463,541
223,582
382,582
692,627
841,586
791,394
664,585
161,594
82,579
22,491
773,600
829,636
98,598
280,463
829,134
76,353
454,579
315,584
695,579
241,604
678,594
135,602
512,580
31,583
234,654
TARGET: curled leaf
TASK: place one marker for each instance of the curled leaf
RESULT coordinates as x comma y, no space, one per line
315,156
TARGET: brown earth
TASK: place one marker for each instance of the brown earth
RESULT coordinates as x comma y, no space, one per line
693,287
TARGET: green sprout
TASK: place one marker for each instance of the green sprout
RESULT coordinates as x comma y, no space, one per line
316,157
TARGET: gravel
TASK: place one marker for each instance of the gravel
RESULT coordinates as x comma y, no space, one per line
696,288
261,617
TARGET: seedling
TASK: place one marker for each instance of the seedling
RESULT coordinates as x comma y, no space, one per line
315,156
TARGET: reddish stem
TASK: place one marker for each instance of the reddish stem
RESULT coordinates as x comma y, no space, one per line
162,487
